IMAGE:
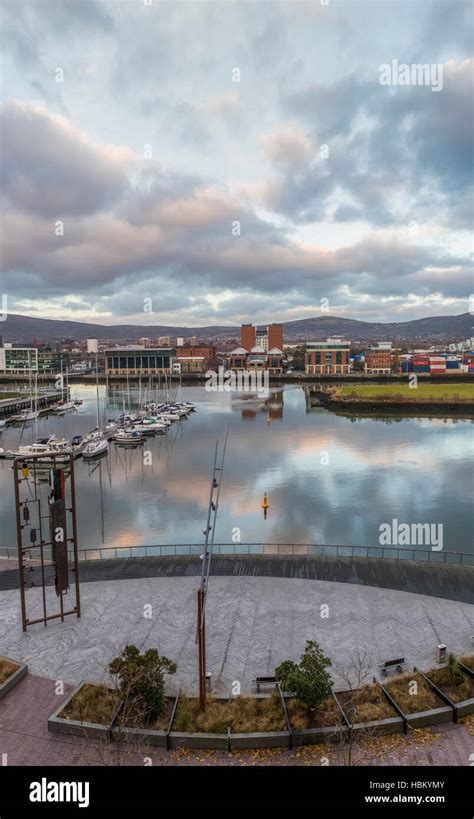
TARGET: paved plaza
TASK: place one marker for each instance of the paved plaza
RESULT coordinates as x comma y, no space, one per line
253,623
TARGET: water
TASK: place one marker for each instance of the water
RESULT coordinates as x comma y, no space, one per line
328,479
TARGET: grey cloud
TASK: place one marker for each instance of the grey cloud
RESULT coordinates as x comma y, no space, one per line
52,171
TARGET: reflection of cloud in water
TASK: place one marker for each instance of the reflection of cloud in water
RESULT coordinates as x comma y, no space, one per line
413,469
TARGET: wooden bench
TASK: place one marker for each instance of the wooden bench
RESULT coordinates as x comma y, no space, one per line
392,665
258,681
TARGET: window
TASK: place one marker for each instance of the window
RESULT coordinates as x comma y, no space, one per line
166,361
123,362
318,358
116,363
338,358
131,362
109,362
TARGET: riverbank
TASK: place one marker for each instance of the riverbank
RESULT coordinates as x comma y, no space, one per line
199,379
427,398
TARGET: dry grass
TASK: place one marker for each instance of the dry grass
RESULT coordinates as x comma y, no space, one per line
6,669
423,700
242,715
456,693
468,661
134,718
92,703
301,717
366,704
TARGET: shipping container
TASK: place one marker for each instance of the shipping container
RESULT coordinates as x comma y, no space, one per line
452,365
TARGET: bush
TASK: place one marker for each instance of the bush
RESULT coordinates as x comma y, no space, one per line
140,680
308,681
454,670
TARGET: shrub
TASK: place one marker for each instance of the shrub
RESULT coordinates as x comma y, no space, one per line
454,670
308,680
140,679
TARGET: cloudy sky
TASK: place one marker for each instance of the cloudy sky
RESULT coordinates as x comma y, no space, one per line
234,161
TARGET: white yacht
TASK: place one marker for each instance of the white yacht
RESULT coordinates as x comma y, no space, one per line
94,448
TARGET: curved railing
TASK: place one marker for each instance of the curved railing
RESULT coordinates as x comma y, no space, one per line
415,553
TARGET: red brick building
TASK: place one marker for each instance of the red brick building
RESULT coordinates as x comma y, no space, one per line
378,360
331,357
266,338
194,359
247,336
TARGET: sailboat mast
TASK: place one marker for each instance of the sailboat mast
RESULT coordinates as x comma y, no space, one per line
97,386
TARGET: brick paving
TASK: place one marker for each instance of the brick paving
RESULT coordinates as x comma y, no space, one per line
24,737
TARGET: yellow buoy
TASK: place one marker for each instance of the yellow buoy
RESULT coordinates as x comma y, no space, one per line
265,503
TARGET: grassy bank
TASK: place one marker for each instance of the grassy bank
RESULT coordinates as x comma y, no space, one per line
402,393
8,396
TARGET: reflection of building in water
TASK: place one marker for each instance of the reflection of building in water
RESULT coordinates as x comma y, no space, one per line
272,407
312,397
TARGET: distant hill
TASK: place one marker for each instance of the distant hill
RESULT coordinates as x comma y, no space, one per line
439,327
25,329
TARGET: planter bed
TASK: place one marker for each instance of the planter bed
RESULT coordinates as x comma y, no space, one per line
10,674
242,722
308,727
367,710
461,696
421,709
467,663
127,730
89,710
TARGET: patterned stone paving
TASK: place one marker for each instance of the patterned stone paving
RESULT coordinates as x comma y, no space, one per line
253,623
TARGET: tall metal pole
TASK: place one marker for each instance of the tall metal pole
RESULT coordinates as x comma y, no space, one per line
205,570
20,545
201,629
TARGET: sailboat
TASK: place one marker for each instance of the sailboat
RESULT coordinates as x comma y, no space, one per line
95,448
29,414
97,443
64,406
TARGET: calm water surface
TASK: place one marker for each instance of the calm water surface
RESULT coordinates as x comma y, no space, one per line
328,479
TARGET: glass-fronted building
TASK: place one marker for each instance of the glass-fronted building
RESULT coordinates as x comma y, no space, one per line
331,357
139,360
18,359
37,360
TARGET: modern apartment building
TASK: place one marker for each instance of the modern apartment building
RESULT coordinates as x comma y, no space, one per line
378,359
137,360
330,357
265,338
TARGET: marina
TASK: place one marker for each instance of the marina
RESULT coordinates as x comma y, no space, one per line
328,479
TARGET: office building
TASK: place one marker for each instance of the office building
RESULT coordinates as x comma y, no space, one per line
378,359
138,360
330,357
